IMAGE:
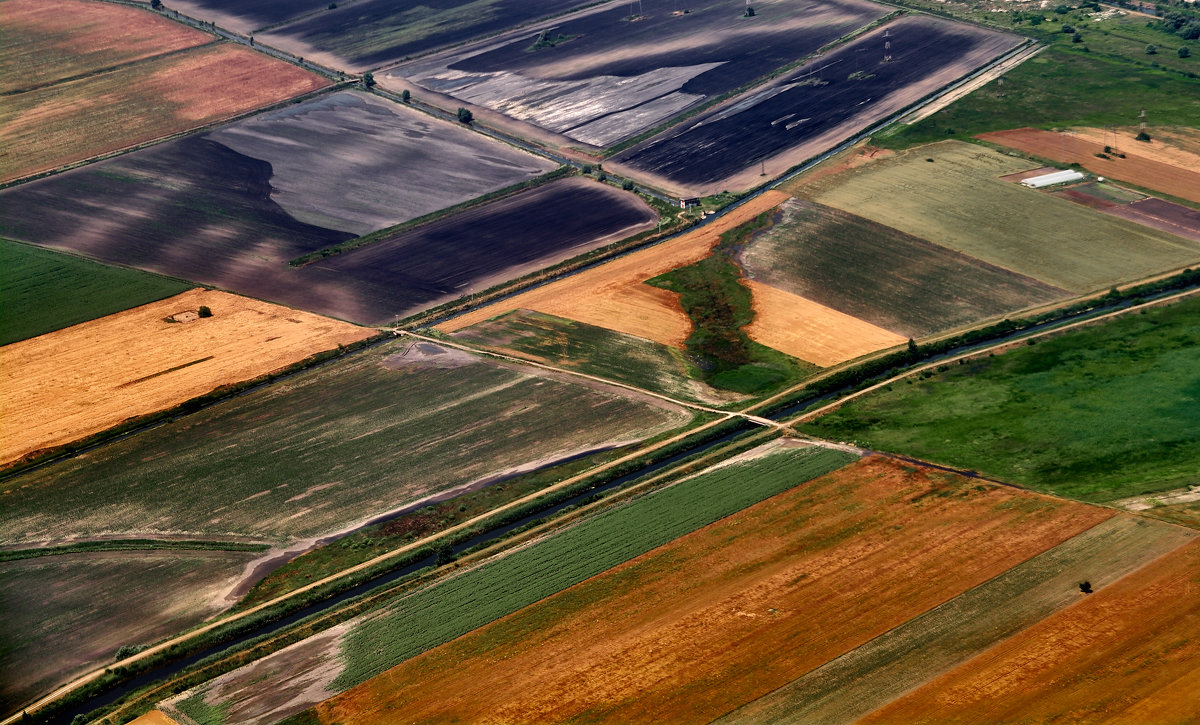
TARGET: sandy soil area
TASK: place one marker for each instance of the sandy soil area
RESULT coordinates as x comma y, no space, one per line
68,384
811,331
1173,171
614,295
154,717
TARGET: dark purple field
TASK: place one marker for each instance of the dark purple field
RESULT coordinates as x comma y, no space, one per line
605,75
1158,214
817,106
374,32
467,252
262,12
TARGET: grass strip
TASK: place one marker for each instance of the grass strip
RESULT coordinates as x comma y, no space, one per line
493,590
383,234
86,547
720,307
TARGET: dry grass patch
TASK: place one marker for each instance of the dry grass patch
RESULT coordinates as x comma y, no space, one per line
1126,654
810,331
68,384
614,296
46,42
72,121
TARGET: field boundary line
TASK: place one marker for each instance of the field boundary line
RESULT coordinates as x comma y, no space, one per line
830,407
756,419
88,677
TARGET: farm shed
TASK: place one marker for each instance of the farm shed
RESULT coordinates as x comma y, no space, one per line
1058,177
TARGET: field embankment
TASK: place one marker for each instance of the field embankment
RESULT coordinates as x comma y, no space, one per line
42,291
65,385
959,201
1100,413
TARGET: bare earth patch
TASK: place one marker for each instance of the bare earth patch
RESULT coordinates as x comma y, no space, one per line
68,384
614,295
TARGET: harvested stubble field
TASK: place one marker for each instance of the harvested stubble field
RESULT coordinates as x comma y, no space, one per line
614,295
42,291
814,108
1177,175
470,251
48,127
1126,654
1100,413
84,379
65,613
863,680
48,42
328,449
601,75
350,654
373,33
810,331
959,201
593,351
728,613
881,275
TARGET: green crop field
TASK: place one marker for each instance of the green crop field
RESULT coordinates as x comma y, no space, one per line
594,351
1099,413
327,448
42,291
876,273
951,194
64,613
440,613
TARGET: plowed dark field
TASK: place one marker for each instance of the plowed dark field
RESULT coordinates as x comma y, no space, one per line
607,77
374,32
471,251
813,109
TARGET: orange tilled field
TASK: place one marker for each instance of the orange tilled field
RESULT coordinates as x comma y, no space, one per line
1125,654
51,126
613,295
720,617
45,42
1152,169
68,384
811,331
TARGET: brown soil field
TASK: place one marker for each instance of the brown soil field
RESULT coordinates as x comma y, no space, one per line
614,296
154,717
68,384
47,42
76,120
1180,176
811,331
721,616
1125,654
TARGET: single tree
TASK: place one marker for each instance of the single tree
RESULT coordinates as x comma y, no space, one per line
1085,587
749,11
1151,50
627,185
405,95
1184,51
1077,38
156,4
204,311
368,80
465,116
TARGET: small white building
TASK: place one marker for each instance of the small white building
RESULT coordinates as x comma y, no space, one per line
1058,177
